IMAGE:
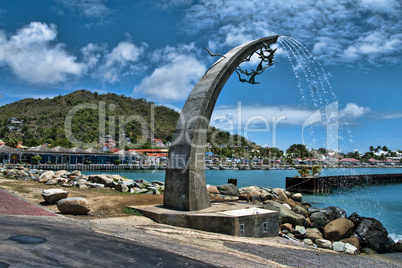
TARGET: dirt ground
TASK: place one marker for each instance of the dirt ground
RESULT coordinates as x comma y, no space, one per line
104,203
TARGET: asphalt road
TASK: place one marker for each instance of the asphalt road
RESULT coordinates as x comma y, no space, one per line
57,243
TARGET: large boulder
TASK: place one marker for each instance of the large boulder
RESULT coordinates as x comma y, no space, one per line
372,234
313,234
229,189
75,206
350,249
286,215
398,246
121,187
45,176
280,194
61,173
338,246
297,197
51,196
318,219
300,210
338,229
352,240
323,243
334,213
108,182
212,189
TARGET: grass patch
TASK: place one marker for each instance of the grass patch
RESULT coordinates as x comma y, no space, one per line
131,211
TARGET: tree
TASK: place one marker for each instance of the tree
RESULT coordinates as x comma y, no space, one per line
371,148
298,151
36,159
304,172
385,149
315,170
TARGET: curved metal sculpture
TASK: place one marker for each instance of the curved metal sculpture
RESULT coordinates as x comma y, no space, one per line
185,186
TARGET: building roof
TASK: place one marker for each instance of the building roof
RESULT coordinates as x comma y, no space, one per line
349,160
59,149
40,149
78,150
92,151
7,149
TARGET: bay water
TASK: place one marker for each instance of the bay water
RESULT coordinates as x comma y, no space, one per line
382,201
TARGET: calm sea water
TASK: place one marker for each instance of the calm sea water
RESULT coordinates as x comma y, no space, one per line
383,202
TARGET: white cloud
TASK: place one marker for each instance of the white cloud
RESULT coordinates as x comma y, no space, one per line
120,61
87,8
336,31
352,110
172,81
31,56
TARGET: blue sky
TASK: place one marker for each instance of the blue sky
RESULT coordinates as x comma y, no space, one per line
153,50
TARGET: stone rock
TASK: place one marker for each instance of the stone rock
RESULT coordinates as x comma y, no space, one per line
299,232
313,234
95,185
308,241
121,187
334,213
229,189
285,214
156,192
291,203
312,210
323,243
108,182
297,197
83,186
158,182
76,173
306,205
372,234
338,246
338,229
352,240
75,206
355,218
280,193
300,210
212,189
48,175
350,249
61,173
287,206
319,219
368,251
53,195
81,182
51,182
398,246
286,226
288,194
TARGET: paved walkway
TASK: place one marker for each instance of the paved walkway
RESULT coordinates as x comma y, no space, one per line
13,205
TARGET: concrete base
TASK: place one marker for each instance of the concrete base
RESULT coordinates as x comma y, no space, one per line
238,219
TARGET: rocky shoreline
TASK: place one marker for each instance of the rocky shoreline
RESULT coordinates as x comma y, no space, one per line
328,228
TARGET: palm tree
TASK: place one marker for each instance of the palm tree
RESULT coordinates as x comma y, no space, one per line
304,172
371,149
315,170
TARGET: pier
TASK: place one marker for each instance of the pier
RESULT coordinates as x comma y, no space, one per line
325,184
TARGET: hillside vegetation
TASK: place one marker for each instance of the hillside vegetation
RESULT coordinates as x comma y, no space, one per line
91,114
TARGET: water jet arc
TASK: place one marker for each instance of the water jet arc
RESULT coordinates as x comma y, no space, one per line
185,186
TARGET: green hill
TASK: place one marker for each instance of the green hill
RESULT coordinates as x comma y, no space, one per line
90,114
